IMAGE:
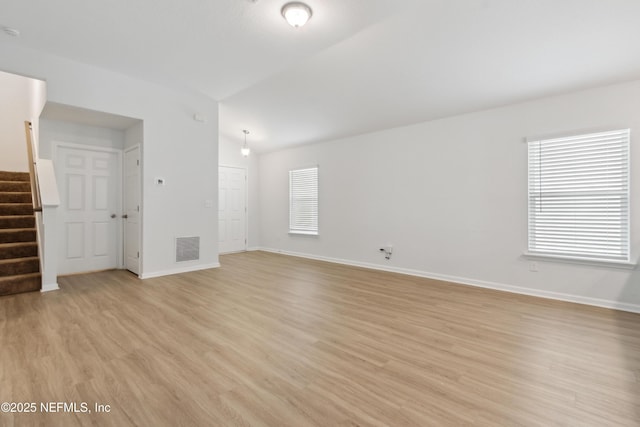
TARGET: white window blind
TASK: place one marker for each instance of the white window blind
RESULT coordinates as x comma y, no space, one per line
579,196
303,201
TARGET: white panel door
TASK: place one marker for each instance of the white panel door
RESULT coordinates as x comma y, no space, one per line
232,209
132,210
89,187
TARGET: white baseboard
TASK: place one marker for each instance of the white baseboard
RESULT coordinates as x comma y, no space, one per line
254,248
633,308
50,287
179,270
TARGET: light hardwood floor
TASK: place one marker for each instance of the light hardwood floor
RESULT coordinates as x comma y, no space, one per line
281,341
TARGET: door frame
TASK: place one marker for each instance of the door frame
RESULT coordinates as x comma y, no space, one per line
56,145
133,147
246,201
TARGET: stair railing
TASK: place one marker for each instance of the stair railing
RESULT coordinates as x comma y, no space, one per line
46,200
33,171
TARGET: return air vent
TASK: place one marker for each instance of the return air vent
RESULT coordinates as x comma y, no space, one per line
187,249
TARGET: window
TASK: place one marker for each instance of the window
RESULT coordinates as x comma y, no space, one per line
303,201
579,197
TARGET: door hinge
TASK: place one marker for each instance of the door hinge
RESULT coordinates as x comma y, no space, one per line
137,162
138,208
138,254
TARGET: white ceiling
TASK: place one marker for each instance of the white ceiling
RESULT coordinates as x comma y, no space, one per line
357,66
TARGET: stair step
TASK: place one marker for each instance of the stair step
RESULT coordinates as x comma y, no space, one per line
20,283
17,221
15,186
16,209
16,266
14,235
18,250
14,176
15,197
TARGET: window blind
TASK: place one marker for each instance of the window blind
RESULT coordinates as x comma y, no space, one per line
579,196
303,201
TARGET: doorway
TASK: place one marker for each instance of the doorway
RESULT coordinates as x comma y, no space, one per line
232,209
89,181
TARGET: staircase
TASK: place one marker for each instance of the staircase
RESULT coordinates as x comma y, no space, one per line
19,262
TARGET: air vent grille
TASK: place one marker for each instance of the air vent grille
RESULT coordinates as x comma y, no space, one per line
187,249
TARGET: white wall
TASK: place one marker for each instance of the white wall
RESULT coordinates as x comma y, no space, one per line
451,196
229,155
134,135
176,148
52,131
21,99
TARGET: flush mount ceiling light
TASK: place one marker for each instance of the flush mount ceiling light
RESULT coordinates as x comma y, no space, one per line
297,14
245,150
11,32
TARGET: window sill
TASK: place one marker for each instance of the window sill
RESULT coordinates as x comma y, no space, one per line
304,233
625,265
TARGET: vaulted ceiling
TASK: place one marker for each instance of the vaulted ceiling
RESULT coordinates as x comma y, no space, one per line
357,66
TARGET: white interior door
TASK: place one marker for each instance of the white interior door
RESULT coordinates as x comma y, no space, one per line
132,209
89,182
232,209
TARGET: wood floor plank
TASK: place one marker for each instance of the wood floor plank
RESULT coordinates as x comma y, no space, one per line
272,340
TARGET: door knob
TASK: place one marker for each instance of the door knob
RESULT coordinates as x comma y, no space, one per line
125,216
113,215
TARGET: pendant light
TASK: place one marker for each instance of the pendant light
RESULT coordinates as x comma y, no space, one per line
245,150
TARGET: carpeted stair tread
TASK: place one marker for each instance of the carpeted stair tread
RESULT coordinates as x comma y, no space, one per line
14,176
20,283
17,221
15,197
15,186
16,266
16,209
18,250
12,235
19,262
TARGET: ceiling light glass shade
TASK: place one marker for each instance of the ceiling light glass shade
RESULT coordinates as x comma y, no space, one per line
245,148
297,14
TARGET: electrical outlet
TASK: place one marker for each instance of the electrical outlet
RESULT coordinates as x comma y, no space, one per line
533,266
387,251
